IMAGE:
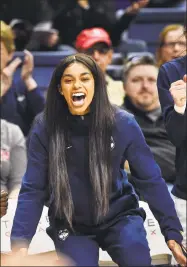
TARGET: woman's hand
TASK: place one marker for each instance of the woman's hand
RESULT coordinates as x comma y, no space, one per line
27,70
7,75
28,65
177,252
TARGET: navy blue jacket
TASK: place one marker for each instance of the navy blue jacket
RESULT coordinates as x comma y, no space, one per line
128,143
20,106
175,123
156,137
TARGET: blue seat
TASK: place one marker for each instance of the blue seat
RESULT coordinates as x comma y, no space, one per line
115,71
150,22
129,45
45,63
117,59
46,58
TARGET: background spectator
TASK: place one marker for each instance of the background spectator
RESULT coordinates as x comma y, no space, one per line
140,76
44,40
21,102
33,11
13,158
97,43
78,15
107,6
22,31
172,43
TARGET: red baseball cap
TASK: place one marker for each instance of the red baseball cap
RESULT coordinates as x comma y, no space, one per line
87,38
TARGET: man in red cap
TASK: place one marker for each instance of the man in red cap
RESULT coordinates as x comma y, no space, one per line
97,43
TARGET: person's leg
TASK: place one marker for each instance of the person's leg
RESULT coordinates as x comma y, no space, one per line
83,250
126,242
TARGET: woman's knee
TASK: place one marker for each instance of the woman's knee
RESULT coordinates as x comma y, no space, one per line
127,244
137,254
83,251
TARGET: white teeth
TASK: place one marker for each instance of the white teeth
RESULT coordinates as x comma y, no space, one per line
78,94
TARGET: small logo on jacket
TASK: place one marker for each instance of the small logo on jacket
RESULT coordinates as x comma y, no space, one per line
112,144
20,98
63,234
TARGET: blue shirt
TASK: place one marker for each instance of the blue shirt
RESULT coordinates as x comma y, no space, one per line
20,106
175,123
127,143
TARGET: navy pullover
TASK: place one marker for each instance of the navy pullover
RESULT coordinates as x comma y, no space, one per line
175,123
20,106
127,143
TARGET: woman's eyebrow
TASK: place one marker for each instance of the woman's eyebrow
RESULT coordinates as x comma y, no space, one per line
82,74
67,75
85,73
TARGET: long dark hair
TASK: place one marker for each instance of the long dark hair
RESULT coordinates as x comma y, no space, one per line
102,120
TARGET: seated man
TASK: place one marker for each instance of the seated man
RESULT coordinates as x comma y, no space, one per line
20,103
140,76
97,43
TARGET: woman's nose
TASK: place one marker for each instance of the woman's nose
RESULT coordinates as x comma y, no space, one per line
77,84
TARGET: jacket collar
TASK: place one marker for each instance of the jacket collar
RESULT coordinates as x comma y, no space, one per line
128,105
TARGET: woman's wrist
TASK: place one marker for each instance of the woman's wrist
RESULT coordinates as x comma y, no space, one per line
30,83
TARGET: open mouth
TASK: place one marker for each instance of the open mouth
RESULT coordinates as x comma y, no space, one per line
78,99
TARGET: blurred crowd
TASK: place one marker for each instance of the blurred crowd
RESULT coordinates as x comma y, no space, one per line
42,25
90,27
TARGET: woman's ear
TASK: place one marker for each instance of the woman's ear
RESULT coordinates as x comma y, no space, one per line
60,89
